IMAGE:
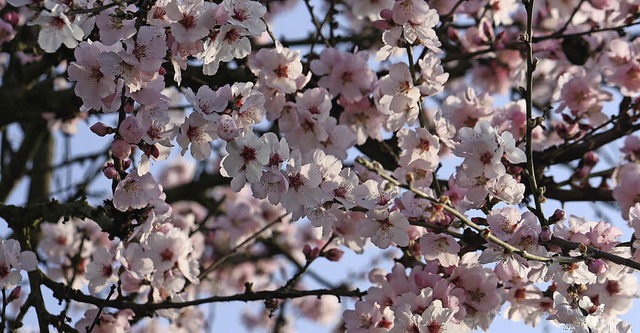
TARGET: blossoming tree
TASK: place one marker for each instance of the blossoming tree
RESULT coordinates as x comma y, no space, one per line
311,147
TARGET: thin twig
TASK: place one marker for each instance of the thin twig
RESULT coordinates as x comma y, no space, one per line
100,309
233,251
531,124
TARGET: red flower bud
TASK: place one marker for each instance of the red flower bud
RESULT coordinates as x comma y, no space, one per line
334,254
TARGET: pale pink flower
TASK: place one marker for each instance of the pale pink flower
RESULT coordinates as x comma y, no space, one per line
398,96
418,144
631,147
362,118
340,139
114,28
130,130
507,189
579,92
229,43
247,155
375,195
57,29
422,29
149,49
209,102
603,236
246,104
304,179
466,111
368,316
12,261
409,10
436,317
581,316
106,323
627,190
92,85
6,32
369,9
277,68
170,249
135,192
133,78
481,150
344,73
272,185
135,261
432,77
196,132
385,228
441,247
504,222
100,272
246,14
190,20
157,15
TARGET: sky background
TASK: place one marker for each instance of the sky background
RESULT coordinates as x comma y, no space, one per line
295,24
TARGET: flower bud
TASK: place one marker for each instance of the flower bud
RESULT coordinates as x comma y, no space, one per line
227,129
382,24
557,216
120,149
12,18
590,158
309,252
131,130
15,294
545,235
597,266
386,14
101,129
128,107
152,151
582,172
334,254
110,172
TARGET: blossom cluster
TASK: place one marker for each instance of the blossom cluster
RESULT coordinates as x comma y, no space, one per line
282,125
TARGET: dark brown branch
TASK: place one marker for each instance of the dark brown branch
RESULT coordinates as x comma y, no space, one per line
20,217
594,253
568,153
579,194
62,291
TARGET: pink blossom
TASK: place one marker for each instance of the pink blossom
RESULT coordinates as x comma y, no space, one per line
504,222
385,227
170,249
106,323
362,118
135,192
441,247
246,14
229,43
100,272
113,27
247,155
92,84
189,19
344,73
278,68
196,132
432,77
57,29
12,261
